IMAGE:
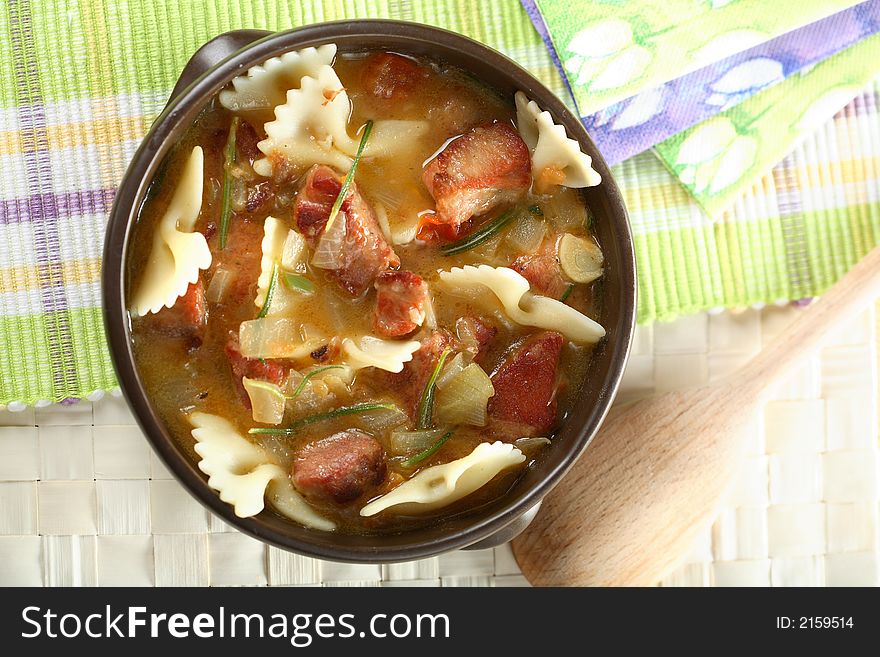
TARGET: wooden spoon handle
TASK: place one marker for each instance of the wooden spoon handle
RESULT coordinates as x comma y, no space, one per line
835,308
651,480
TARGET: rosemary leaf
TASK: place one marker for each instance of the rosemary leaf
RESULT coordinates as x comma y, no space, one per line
421,456
483,234
368,128
298,283
426,405
270,292
302,384
228,162
321,417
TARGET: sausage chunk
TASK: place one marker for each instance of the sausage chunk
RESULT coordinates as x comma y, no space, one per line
487,166
387,75
253,368
187,318
525,385
341,467
242,257
410,382
364,253
543,273
401,298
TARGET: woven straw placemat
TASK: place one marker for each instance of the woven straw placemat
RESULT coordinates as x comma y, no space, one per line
84,502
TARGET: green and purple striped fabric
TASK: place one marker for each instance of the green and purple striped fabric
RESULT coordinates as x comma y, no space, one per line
81,82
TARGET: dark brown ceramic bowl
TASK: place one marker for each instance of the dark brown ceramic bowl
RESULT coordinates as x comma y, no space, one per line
212,67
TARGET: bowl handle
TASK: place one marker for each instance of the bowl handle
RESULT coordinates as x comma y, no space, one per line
212,53
508,532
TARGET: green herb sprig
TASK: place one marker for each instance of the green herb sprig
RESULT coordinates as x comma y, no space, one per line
270,292
368,128
430,451
322,417
483,234
426,405
298,283
302,384
228,163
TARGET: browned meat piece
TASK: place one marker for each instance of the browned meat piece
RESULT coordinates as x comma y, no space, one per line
401,297
187,318
487,166
259,197
341,467
525,385
387,75
253,368
477,334
410,382
543,273
246,139
241,256
364,253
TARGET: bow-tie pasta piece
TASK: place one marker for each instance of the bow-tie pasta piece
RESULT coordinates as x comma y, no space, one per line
310,127
177,253
441,485
264,85
369,351
236,468
556,159
241,472
285,499
511,289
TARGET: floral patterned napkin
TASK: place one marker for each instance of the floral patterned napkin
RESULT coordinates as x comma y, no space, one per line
606,50
644,120
717,158
613,49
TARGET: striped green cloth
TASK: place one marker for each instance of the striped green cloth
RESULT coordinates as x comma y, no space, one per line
81,82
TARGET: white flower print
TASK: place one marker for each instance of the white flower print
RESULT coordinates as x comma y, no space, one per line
744,80
605,55
713,156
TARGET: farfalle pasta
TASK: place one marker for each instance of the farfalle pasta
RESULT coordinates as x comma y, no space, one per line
556,158
178,252
265,86
241,471
276,236
441,485
369,351
311,127
512,291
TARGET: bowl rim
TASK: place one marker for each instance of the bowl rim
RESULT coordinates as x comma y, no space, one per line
176,118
